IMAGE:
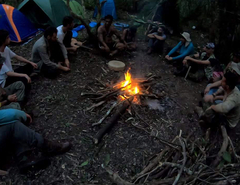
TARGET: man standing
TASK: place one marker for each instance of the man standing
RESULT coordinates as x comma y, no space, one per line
105,34
49,54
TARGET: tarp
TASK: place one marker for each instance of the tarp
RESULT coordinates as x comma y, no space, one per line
44,12
17,24
107,9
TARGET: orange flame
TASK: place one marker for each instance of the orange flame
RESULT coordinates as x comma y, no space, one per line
129,87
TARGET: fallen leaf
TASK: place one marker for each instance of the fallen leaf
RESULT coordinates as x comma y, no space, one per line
84,163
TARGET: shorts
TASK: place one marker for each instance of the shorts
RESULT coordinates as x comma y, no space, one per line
213,90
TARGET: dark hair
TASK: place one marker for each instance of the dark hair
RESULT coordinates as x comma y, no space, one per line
108,17
3,36
231,79
50,31
67,20
133,30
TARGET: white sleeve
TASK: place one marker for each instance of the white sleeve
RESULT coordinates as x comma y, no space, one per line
10,52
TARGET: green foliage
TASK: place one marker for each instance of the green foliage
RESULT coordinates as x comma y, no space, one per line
90,4
227,157
84,163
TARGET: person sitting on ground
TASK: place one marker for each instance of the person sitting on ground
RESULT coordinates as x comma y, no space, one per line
64,35
49,54
156,41
13,95
185,48
227,112
7,74
105,34
129,36
204,66
22,139
213,93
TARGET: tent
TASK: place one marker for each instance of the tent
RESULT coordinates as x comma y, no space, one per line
44,13
76,8
107,9
17,24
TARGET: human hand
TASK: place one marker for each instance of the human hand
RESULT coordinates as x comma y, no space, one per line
170,58
187,58
184,62
35,66
107,49
167,57
67,63
28,78
29,117
12,98
207,89
66,69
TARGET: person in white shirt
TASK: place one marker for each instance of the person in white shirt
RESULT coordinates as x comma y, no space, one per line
64,35
7,74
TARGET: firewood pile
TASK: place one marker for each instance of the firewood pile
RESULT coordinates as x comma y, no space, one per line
127,93
187,161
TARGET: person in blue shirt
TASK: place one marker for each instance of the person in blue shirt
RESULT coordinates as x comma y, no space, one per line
182,49
22,139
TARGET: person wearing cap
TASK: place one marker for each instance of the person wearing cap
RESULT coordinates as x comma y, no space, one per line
185,48
227,112
156,41
13,95
207,64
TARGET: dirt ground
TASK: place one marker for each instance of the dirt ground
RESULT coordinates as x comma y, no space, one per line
60,114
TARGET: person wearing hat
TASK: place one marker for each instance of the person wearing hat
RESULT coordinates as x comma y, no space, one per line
156,41
185,48
13,95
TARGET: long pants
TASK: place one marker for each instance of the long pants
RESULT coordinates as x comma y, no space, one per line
17,88
27,69
156,45
18,137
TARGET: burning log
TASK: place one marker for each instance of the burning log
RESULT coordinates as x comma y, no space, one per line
113,120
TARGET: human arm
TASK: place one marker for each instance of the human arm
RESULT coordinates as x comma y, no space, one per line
26,61
13,74
11,115
160,37
215,84
204,62
224,107
64,50
151,36
115,32
187,52
175,49
100,38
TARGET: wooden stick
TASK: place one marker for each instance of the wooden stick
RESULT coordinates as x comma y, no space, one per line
3,173
223,148
113,120
106,115
95,105
187,72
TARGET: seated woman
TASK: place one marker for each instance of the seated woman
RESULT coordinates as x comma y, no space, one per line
185,48
129,36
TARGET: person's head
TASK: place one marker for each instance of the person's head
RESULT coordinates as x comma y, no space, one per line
132,30
185,37
68,22
160,30
108,20
217,76
236,57
229,81
209,48
51,34
4,38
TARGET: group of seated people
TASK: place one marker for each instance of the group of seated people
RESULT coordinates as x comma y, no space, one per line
49,57
221,98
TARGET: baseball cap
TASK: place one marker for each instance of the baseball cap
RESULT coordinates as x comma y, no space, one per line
210,45
235,67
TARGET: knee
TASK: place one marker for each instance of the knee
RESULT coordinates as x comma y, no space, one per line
20,85
208,98
120,46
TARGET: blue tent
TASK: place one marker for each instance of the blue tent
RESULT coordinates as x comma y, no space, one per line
18,26
107,9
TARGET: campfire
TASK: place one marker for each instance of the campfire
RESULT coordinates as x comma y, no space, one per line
126,93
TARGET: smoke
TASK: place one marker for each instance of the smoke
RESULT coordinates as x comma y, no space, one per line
155,105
